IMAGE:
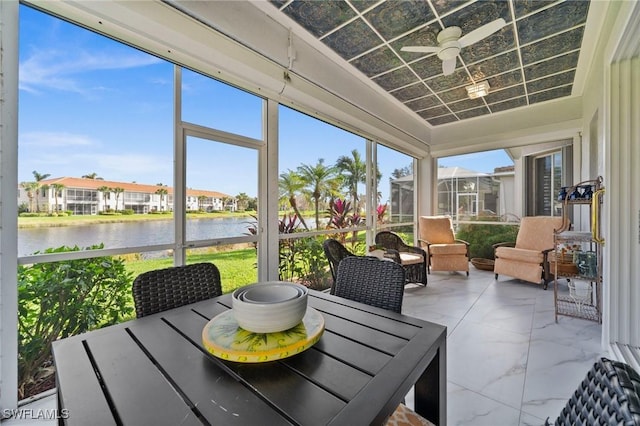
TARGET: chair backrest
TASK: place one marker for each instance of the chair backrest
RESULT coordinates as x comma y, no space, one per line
609,395
335,252
389,240
436,229
162,289
536,232
371,281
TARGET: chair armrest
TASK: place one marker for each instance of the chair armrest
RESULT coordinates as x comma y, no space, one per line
424,242
497,245
506,244
414,249
466,243
545,256
393,254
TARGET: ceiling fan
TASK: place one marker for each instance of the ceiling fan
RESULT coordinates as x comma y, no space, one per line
450,42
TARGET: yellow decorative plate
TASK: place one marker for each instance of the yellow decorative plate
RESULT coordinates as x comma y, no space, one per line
225,339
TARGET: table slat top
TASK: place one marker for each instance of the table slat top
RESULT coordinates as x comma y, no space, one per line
155,369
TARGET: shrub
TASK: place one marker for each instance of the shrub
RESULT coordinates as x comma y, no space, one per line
61,299
312,263
128,212
482,237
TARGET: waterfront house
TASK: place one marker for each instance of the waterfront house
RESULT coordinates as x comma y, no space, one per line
463,194
84,196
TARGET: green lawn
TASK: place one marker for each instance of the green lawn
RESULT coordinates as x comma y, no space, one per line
237,267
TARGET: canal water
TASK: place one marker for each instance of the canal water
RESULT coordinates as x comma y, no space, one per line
127,234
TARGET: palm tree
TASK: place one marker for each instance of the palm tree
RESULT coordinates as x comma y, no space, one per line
31,188
320,180
57,187
39,177
162,192
290,184
105,190
243,201
117,190
92,175
201,200
354,172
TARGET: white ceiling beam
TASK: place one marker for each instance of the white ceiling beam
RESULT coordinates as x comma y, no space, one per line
554,120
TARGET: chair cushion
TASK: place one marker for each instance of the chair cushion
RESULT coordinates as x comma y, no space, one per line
410,258
520,255
438,249
455,262
405,416
531,272
536,232
437,229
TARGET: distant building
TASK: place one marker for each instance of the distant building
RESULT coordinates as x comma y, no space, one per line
462,193
83,196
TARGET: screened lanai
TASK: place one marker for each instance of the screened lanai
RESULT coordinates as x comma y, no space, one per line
287,72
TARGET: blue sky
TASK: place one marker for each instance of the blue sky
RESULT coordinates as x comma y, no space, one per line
91,105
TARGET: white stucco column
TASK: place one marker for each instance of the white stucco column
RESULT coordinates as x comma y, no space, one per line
8,203
518,186
427,181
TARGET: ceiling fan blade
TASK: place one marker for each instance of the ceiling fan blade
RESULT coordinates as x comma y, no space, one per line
421,49
449,66
482,32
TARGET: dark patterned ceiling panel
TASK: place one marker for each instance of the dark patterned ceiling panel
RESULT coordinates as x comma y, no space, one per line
423,103
551,21
552,46
510,104
530,60
411,92
393,18
504,94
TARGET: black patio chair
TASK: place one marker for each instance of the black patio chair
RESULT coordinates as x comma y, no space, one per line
413,259
335,252
609,395
371,281
168,288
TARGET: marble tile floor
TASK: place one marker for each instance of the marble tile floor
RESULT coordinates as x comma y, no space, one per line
508,362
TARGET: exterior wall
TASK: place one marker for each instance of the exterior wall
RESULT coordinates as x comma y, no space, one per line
140,202
507,198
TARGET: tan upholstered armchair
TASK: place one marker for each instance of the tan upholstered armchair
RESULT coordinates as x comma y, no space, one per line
528,258
445,252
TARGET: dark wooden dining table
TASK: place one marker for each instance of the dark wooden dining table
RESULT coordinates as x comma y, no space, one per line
156,371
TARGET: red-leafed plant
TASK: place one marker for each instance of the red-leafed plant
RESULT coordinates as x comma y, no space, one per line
381,210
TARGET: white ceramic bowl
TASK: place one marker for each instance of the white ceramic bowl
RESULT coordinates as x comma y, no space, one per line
269,307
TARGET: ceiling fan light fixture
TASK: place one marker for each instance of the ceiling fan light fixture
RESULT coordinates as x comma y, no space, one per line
478,90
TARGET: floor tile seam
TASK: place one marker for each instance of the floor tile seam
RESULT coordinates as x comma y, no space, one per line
528,413
486,396
526,368
454,328
493,327
469,309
